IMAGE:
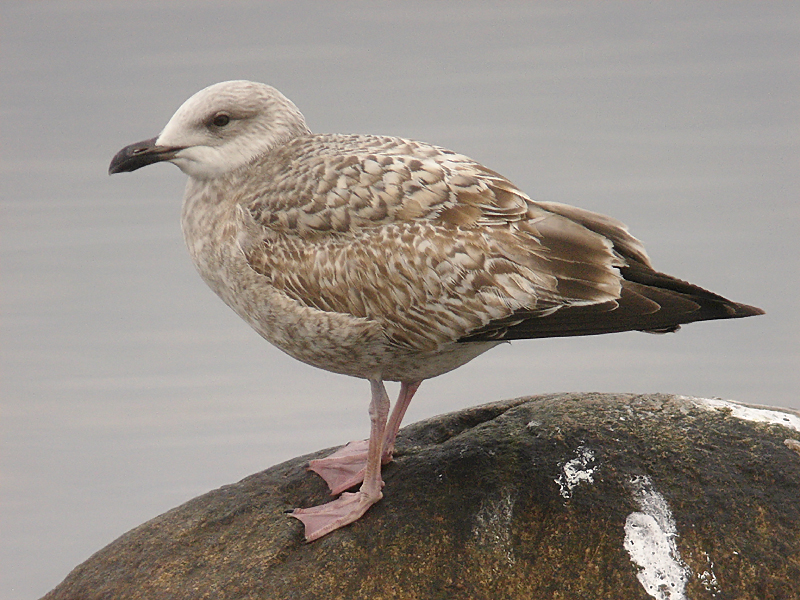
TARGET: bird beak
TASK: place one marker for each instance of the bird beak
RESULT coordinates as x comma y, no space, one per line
140,155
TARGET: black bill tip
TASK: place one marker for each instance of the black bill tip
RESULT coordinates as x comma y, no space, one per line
140,155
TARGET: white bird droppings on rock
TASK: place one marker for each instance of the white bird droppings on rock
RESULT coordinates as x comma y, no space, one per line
792,444
708,579
756,414
650,541
576,471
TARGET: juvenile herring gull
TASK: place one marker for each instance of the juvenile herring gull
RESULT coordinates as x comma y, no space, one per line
391,260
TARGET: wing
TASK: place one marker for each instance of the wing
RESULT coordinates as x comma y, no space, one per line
435,247
648,300
317,185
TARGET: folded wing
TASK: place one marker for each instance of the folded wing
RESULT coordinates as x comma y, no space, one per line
439,249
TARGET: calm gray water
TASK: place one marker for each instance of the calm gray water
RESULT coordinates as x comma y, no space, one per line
128,387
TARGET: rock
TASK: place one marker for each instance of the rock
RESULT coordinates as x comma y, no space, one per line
555,496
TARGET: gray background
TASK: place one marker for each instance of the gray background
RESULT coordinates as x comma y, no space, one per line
128,387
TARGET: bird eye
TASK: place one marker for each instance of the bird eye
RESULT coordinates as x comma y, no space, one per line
220,120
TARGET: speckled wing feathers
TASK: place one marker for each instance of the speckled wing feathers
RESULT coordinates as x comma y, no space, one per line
429,243
336,183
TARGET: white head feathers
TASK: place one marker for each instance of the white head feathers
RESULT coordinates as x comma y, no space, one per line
227,125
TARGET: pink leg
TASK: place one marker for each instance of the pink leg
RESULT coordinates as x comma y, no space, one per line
321,520
407,391
345,468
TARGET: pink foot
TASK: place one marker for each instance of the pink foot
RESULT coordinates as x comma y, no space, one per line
345,468
321,520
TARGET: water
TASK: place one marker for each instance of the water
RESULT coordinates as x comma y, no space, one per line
128,387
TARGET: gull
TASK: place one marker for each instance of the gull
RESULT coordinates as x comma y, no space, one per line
390,259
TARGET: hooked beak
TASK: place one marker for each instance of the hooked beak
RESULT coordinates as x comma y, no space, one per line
140,155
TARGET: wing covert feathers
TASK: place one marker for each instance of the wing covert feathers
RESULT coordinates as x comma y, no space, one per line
438,249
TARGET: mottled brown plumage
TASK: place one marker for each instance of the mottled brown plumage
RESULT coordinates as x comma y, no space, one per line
390,259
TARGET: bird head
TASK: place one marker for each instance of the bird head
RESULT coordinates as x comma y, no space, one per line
218,130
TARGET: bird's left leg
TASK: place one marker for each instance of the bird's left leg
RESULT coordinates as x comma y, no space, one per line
321,520
407,391
345,468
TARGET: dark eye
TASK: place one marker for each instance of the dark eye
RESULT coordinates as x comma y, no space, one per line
220,120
